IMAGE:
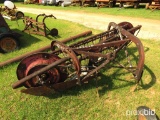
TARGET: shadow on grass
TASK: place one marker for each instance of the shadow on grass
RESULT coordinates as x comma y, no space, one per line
52,38
153,79
103,84
26,39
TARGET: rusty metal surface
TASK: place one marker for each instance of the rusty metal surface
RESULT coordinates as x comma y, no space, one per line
37,27
11,14
84,59
86,33
155,4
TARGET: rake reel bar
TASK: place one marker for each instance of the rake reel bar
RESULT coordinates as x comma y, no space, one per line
82,60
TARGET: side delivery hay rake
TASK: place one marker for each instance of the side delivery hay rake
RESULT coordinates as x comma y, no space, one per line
37,27
72,65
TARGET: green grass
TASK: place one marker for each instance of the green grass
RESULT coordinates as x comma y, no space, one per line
82,102
130,12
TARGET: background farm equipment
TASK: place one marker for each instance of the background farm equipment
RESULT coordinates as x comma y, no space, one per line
155,4
10,11
134,3
31,1
46,48
104,3
68,66
53,2
8,38
48,2
83,3
36,27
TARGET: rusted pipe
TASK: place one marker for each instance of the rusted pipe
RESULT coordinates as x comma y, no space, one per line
44,48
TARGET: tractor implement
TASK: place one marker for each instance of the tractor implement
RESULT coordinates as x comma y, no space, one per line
80,62
37,27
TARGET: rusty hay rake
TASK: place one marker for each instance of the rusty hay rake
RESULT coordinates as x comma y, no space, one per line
37,27
72,65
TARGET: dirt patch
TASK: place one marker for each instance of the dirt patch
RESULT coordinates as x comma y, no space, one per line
150,28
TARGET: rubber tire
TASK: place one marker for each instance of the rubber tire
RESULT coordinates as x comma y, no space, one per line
54,32
19,14
13,39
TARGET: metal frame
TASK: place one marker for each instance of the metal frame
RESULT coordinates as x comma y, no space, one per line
36,27
63,68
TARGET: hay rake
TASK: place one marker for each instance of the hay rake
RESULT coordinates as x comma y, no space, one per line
72,65
37,27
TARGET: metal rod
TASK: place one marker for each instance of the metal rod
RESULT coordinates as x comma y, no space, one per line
44,48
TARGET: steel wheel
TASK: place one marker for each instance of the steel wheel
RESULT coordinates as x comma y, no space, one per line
8,44
34,63
49,77
68,52
126,26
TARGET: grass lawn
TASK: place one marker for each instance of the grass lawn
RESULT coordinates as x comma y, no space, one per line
82,102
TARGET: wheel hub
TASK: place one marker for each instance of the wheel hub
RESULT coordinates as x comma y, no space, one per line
8,44
49,77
